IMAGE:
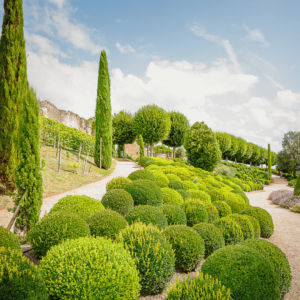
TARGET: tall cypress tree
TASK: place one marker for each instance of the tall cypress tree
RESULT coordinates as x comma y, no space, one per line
141,144
13,88
269,162
103,115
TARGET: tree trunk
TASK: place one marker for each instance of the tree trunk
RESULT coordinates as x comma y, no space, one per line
226,158
151,150
174,150
79,153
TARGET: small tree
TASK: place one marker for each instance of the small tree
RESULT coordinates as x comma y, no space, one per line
103,116
224,140
141,144
242,148
233,148
269,162
297,187
202,147
153,124
249,152
256,154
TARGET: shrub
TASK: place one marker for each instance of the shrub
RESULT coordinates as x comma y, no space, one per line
296,208
187,245
199,287
223,208
245,224
189,185
243,195
248,274
231,230
54,229
213,213
142,174
9,240
195,212
184,194
212,236
83,206
200,195
90,268
216,195
160,176
143,160
297,187
117,183
201,187
161,184
145,192
172,177
263,217
235,206
277,258
171,196
118,200
176,185
256,226
147,244
149,163
106,223
174,214
148,215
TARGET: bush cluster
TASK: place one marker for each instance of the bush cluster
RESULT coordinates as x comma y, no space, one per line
9,240
161,177
189,185
185,194
117,183
142,174
195,212
172,177
171,196
213,214
174,214
223,208
245,225
176,185
200,195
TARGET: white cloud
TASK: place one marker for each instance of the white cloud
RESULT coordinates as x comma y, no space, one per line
200,31
59,3
256,35
288,99
232,56
125,49
275,83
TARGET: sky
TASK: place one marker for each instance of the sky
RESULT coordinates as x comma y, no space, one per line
233,64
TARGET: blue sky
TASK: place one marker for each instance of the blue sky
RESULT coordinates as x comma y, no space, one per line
233,64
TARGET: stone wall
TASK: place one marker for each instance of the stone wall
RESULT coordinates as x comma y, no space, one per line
133,150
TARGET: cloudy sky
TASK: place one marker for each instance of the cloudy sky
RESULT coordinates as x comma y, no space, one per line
233,64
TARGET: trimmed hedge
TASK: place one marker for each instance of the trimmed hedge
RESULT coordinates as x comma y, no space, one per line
243,195
161,184
235,206
9,240
160,176
176,185
201,187
171,196
223,208
184,194
195,212
245,224
188,247
255,225
145,192
147,244
117,183
247,273
200,195
143,160
212,236
118,200
189,185
90,268
213,214
216,195
174,214
172,177
141,174
148,215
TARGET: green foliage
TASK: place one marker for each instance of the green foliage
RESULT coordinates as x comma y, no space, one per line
142,174
19,278
200,195
141,144
176,185
269,163
235,206
242,148
174,214
212,237
160,176
54,229
199,287
230,229
90,268
223,208
243,195
297,187
171,196
118,200
226,170
202,147
189,185
9,240
195,212
145,192
148,215
245,225
173,177
147,244
212,211
117,183
83,206
216,195
224,140
143,160
106,223
256,226
184,194
263,217
187,245
103,116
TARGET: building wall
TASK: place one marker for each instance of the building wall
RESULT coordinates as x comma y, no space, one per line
133,150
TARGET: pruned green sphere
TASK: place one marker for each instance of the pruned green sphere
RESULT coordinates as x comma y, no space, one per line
160,176
235,206
142,174
223,208
171,196
200,195
173,177
255,225
184,194
176,185
195,212
174,214
143,160
189,185
213,214
245,225
117,183
9,240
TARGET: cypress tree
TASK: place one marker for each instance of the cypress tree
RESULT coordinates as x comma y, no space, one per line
269,162
141,144
103,115
13,88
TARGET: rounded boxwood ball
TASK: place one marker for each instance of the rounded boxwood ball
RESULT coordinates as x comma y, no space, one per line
106,223
174,214
142,174
173,177
9,240
19,278
277,258
171,196
235,206
149,163
213,214
161,184
184,194
147,244
195,212
223,208
189,185
188,247
54,229
118,200
212,236
145,192
90,268
231,231
263,217
245,224
176,185
243,195
200,195
247,273
255,225
148,215
117,183
160,176
83,206
216,195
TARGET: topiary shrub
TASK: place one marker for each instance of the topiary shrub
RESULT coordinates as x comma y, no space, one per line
106,223
149,163
172,177
212,236
200,195
90,268
263,217
201,187
235,206
216,195
161,184
187,245
199,287
118,200
147,244
189,185
231,230
171,196
256,226
148,215
9,240
277,258
117,183
213,214
174,214
184,194
145,192
245,224
176,185
54,229
83,206
195,212
247,273
144,159
142,174
223,208
243,195
160,176
297,187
